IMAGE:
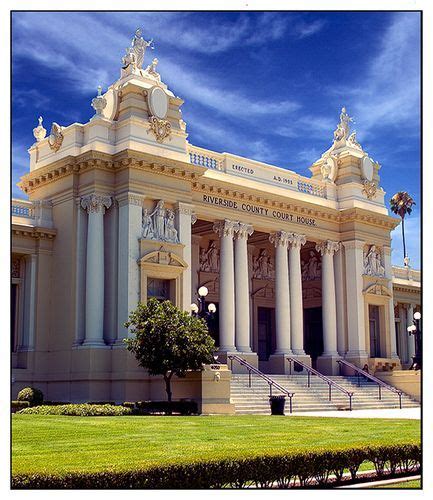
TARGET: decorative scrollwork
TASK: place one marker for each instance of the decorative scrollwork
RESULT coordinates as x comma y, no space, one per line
160,128
369,189
56,137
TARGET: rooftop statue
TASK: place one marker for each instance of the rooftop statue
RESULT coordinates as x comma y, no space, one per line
343,128
135,53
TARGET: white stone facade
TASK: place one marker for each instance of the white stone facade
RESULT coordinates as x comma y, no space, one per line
124,207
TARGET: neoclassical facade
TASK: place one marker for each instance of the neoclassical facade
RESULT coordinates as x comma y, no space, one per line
123,208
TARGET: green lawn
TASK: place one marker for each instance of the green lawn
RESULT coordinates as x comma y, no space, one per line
60,443
416,483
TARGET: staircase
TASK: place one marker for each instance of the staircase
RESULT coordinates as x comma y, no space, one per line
255,400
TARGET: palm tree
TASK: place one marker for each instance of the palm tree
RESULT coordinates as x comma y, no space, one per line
401,204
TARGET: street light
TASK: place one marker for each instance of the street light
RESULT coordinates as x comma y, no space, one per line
200,310
415,330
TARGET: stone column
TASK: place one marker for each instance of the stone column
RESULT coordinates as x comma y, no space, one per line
282,297
80,274
410,338
242,289
295,285
95,205
390,330
225,230
340,297
128,254
326,362
28,343
185,217
354,260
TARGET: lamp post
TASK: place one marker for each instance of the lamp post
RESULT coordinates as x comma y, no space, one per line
200,309
415,330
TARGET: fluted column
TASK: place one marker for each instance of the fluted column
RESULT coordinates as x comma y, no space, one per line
94,324
225,230
329,309
242,292
295,284
410,338
282,298
391,351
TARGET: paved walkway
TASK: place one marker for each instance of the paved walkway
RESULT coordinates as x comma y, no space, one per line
412,413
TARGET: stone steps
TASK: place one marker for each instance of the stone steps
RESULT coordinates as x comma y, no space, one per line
314,398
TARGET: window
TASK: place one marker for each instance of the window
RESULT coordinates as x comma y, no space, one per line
14,309
160,289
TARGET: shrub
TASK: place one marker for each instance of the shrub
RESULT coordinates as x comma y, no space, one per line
19,405
32,395
78,410
168,407
264,471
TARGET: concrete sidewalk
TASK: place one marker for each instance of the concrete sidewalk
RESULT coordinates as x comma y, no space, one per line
410,413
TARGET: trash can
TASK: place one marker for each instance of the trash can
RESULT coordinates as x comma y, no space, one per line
277,404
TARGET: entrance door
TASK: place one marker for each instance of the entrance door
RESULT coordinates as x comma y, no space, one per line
374,331
266,332
313,333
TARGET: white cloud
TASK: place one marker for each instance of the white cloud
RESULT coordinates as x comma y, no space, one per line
303,29
387,92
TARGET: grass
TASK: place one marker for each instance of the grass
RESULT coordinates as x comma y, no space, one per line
416,483
48,443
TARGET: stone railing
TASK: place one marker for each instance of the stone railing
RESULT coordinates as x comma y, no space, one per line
406,273
313,188
22,208
205,158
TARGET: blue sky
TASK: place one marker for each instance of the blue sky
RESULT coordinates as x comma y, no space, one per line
266,85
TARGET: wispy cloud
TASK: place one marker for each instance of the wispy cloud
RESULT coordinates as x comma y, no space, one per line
388,90
303,29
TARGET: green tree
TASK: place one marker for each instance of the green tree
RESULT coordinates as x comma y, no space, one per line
401,204
168,341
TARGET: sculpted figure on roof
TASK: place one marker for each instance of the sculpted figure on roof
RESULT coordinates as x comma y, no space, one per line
135,53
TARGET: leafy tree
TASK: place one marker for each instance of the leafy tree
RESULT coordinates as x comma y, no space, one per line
401,204
168,341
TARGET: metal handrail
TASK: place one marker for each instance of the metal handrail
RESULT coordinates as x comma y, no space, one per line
329,381
380,383
256,371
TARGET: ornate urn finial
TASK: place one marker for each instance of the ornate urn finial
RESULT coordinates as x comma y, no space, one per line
99,102
39,132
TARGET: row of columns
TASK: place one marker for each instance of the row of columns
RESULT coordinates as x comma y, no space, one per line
406,341
235,295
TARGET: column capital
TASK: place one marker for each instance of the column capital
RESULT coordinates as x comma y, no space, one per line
280,238
226,227
244,230
96,203
130,199
354,244
297,240
328,247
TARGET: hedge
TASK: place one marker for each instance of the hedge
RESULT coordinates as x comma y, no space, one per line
78,410
31,394
282,471
19,405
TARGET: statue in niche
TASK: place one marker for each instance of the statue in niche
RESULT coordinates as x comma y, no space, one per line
209,259
262,265
159,225
170,230
147,225
159,217
310,269
373,263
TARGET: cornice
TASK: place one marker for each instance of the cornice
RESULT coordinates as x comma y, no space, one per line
97,160
33,232
365,216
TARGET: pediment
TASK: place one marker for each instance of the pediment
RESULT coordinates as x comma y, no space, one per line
164,258
377,289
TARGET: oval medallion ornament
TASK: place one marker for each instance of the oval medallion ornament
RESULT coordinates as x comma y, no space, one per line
158,103
367,168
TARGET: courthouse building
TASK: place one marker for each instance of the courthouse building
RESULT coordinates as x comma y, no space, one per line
123,208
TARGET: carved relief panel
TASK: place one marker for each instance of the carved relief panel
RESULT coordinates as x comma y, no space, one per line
159,224
373,262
